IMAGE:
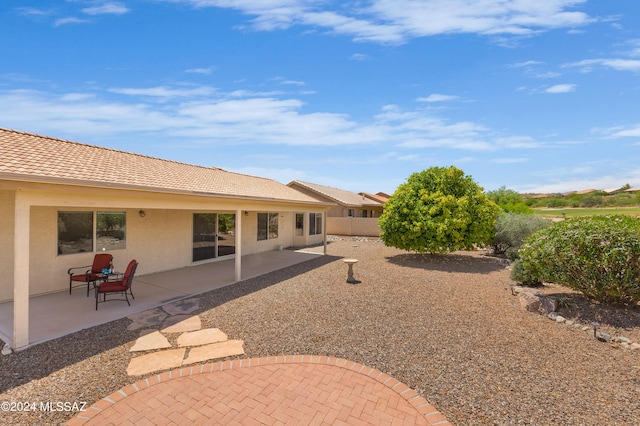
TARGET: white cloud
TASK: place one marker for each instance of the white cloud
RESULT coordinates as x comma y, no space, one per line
619,64
241,117
436,97
111,8
32,11
525,64
621,132
359,57
293,83
165,92
70,20
204,71
561,88
396,21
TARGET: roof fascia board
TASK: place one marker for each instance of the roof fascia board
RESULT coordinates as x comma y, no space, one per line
140,188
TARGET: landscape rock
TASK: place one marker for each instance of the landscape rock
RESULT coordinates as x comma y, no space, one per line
529,301
156,361
181,323
201,337
548,305
150,341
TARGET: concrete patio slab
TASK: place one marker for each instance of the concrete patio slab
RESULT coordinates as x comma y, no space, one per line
214,351
58,314
150,341
157,361
201,337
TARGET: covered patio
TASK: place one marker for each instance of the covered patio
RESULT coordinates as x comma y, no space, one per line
58,314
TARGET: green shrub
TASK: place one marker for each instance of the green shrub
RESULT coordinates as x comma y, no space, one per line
512,229
438,210
598,256
521,275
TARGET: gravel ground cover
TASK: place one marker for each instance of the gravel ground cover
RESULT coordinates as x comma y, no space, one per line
447,326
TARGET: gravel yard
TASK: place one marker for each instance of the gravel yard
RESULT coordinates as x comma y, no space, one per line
447,326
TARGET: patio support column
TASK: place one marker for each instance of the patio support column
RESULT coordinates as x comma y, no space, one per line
324,231
21,271
238,258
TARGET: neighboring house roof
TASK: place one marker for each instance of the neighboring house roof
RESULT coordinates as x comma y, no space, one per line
633,189
35,158
375,197
585,191
340,196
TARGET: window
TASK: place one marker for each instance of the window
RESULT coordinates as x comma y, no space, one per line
364,213
267,226
77,231
111,231
299,224
315,223
213,235
351,213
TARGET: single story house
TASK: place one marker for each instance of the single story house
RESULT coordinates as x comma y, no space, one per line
62,202
352,214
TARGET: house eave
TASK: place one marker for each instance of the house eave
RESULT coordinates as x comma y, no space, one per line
18,178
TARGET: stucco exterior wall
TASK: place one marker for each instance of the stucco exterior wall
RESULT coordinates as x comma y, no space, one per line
356,226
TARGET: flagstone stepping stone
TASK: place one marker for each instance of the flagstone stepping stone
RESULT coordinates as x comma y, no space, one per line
156,361
214,350
150,341
201,337
181,323
182,306
145,319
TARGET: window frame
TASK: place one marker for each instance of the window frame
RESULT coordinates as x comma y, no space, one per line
268,226
315,223
95,232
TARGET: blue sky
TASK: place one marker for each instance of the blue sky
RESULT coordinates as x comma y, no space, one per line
538,96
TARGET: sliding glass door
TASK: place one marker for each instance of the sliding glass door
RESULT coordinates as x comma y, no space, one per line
213,235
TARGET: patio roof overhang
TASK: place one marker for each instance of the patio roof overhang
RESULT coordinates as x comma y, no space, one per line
47,191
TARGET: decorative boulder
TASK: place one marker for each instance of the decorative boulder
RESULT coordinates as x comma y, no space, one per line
529,301
547,305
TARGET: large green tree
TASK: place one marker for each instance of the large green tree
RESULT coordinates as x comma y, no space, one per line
438,210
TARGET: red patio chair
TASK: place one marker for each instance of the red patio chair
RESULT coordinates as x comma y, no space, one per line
118,287
100,262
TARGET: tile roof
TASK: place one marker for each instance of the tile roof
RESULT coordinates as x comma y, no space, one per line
376,197
29,157
340,196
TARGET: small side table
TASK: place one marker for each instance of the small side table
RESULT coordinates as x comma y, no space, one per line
350,278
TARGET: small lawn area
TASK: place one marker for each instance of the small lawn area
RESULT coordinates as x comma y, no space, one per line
587,211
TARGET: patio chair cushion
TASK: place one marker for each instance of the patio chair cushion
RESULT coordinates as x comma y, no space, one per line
110,286
84,277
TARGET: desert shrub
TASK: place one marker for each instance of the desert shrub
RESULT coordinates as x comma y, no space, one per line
521,275
598,256
512,229
591,201
509,200
438,210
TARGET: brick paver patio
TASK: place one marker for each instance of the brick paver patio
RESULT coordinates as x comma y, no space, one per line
284,390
